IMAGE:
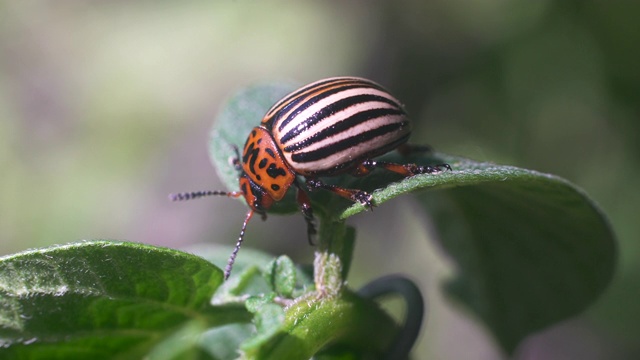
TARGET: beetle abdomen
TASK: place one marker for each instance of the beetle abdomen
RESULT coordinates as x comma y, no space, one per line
328,126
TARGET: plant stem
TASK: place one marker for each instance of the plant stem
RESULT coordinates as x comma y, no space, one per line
331,314
349,320
333,258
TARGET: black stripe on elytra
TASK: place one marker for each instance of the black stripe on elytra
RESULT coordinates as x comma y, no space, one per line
302,90
334,108
342,126
314,99
297,96
346,165
344,144
320,85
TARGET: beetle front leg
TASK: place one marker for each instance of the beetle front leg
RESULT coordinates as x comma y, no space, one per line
305,206
354,195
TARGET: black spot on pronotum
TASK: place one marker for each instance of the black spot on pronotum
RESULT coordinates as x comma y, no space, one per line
270,152
249,151
275,187
251,155
273,171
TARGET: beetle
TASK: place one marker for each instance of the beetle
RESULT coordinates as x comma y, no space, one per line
329,127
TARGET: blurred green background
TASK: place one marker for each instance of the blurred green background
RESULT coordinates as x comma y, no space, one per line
105,108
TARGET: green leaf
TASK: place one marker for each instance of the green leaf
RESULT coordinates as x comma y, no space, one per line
181,344
218,255
103,299
268,319
531,248
223,342
281,276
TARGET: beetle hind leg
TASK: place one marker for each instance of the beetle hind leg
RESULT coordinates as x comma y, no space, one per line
403,169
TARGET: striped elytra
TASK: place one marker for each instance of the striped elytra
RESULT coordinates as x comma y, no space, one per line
328,126
332,126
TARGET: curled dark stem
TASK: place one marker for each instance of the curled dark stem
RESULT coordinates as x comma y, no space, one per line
398,284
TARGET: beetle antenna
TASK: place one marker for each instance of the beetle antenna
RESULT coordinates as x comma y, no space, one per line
232,258
198,194
235,161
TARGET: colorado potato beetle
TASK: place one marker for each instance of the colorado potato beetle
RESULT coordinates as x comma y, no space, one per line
330,127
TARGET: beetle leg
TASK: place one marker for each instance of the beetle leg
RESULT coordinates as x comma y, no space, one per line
305,206
407,149
403,169
354,195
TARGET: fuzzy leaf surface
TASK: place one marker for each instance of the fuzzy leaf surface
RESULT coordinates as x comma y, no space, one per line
103,299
